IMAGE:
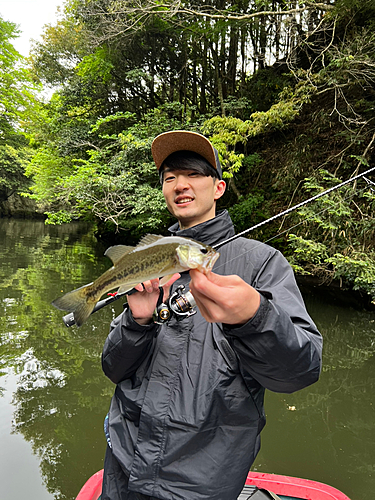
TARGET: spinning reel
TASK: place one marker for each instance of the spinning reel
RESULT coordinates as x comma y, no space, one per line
180,305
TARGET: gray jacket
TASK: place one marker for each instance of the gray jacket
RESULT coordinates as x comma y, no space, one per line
187,412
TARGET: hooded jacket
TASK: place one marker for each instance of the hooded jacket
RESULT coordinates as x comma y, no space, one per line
186,416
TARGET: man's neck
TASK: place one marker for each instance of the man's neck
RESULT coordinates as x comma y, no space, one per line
195,223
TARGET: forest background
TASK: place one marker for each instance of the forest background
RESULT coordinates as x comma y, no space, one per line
284,90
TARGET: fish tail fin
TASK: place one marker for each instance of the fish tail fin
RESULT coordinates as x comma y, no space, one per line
78,303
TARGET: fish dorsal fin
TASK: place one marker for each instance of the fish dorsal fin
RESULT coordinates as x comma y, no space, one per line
149,239
116,252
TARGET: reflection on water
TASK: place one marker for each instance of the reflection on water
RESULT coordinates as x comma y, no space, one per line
61,396
18,465
325,432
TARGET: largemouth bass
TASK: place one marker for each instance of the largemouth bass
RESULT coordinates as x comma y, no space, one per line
154,257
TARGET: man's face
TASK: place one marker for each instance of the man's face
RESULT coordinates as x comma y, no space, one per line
190,196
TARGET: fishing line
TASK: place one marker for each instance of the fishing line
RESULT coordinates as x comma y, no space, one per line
370,182
289,229
291,209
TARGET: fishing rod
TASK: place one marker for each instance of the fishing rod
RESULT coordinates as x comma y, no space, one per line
295,207
178,304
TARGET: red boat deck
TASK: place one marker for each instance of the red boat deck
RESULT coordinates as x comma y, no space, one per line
92,489
290,488
294,487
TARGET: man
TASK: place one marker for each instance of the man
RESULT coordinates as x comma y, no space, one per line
187,413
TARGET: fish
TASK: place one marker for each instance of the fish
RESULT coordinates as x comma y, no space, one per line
155,256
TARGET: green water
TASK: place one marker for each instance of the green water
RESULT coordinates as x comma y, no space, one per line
53,395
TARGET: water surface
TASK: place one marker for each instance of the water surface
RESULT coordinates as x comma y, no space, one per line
54,396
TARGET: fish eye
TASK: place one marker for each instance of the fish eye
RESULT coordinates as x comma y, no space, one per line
204,250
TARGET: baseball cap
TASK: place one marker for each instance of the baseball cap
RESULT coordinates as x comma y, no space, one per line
182,140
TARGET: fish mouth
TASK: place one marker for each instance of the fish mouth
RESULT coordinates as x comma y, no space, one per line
209,261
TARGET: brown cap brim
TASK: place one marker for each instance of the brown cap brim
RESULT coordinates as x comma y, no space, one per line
182,140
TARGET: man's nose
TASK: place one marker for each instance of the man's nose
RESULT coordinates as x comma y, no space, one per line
181,183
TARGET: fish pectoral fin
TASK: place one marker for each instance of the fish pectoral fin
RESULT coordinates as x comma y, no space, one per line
165,279
126,287
149,239
116,252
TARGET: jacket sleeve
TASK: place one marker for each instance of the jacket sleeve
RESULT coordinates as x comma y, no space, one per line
126,346
280,346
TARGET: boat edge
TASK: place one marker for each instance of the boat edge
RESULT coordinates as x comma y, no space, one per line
294,486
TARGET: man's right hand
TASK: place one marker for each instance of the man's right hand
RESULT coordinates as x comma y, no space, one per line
143,303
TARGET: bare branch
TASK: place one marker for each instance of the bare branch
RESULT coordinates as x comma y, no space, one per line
122,16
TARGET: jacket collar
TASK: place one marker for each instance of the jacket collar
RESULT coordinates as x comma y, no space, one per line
210,232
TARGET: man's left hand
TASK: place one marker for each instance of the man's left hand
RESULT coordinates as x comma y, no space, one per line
224,299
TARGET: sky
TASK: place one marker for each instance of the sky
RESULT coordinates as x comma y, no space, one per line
31,16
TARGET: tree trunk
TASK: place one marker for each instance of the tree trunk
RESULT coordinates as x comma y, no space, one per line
219,83
232,61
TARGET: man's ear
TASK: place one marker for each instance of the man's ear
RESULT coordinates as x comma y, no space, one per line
220,187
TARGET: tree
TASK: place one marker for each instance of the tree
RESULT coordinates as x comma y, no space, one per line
16,99
16,86
284,91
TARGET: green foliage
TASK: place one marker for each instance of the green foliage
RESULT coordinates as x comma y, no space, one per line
307,252
247,211
334,233
48,169
263,88
328,212
280,115
358,12
62,46
16,86
12,165
237,107
116,183
227,132
357,269
96,64
16,99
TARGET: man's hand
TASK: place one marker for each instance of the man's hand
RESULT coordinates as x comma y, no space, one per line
143,303
224,299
